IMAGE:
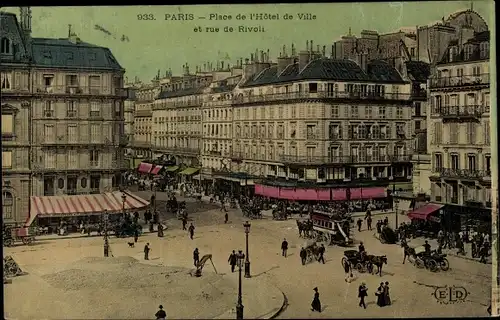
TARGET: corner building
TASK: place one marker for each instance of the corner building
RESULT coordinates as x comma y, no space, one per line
321,120
62,117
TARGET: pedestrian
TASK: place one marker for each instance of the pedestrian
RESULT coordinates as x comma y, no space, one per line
360,223
316,304
361,247
321,253
483,253
136,235
184,223
232,260
303,255
348,271
147,249
380,295
196,257
362,293
161,314
378,226
387,296
226,217
284,247
369,223
386,221
191,231
427,247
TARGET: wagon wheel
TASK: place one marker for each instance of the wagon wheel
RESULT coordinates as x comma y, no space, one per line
360,267
11,268
444,264
30,240
432,264
419,263
8,242
344,261
24,240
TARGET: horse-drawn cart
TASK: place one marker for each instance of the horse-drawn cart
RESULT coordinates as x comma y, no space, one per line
11,235
355,259
312,250
387,235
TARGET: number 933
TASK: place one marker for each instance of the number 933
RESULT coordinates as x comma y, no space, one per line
146,16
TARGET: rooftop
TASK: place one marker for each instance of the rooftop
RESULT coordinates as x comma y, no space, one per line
475,55
180,93
328,69
418,70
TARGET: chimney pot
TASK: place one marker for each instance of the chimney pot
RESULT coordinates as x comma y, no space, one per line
312,46
307,45
222,65
284,51
251,57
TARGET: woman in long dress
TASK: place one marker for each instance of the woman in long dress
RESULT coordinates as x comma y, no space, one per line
380,295
316,304
387,296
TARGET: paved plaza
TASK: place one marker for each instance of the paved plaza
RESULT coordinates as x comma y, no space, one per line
63,276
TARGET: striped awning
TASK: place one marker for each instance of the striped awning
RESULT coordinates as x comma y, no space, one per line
145,167
156,169
81,205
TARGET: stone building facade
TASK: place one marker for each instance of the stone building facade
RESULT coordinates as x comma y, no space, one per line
62,101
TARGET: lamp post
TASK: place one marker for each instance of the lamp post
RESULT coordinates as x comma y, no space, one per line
247,225
239,306
124,198
106,240
395,204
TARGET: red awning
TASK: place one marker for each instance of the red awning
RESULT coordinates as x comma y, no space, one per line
423,212
156,169
145,167
89,204
368,193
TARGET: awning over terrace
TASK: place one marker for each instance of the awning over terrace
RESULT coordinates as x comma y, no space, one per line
171,168
425,211
189,171
83,205
145,167
156,170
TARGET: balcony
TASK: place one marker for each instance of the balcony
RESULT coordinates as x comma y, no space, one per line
177,104
142,144
419,94
367,136
464,174
343,160
77,90
460,81
179,150
320,95
461,113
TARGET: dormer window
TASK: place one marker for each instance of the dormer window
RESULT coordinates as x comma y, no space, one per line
453,53
6,46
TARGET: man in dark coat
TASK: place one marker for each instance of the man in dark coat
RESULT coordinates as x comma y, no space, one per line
362,293
232,260
136,234
226,217
284,247
146,251
303,255
184,223
196,257
316,304
161,314
360,224
321,253
369,222
191,231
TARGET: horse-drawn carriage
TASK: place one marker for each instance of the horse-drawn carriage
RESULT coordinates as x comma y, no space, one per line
11,235
361,264
326,228
432,261
387,235
279,214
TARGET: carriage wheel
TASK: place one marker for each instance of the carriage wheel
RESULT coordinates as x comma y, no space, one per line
360,267
444,264
382,240
24,240
419,263
432,264
343,261
9,242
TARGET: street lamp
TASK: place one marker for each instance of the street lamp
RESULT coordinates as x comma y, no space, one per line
106,240
239,306
246,225
395,204
124,198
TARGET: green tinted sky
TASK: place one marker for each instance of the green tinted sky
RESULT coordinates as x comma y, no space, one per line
161,44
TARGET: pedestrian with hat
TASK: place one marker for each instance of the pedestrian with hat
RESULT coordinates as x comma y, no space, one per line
161,314
316,304
362,293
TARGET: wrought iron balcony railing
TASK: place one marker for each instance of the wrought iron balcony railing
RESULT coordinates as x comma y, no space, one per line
461,112
462,173
78,90
459,81
320,95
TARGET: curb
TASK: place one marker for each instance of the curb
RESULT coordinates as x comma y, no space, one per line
283,307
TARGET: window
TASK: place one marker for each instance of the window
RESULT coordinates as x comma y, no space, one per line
399,112
335,111
412,52
95,110
71,80
71,109
368,112
381,112
95,84
418,109
50,160
471,162
487,164
455,162
311,132
60,183
118,109
7,205
354,112
49,133
71,183
48,79
335,131
5,46
95,182
83,183
438,133
72,133
95,133
311,151
487,139
438,161
313,87
471,133
94,157
7,124
72,158
417,125
48,110
6,159
6,80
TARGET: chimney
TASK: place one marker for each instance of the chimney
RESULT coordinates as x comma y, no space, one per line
241,62
217,65
204,67
312,46
304,57
262,56
284,51
324,51
317,49
251,57
293,50
222,65
267,57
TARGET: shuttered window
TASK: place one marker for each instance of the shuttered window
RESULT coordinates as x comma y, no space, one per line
7,123
6,159
49,133
72,133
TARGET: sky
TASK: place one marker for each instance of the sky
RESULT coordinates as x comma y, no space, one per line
165,43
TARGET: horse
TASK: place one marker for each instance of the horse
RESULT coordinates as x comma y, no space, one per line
377,261
408,251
